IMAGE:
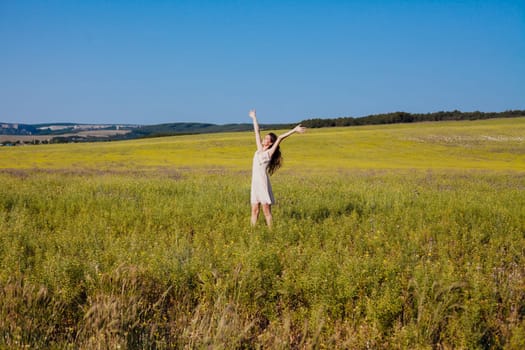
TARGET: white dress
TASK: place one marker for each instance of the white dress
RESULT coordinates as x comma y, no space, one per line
261,187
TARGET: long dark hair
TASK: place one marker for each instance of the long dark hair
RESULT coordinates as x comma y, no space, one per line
277,159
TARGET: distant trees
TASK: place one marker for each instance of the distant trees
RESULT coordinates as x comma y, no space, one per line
404,117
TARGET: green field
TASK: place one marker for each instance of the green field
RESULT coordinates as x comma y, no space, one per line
406,236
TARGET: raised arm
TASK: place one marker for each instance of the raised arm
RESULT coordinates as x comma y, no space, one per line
298,129
253,115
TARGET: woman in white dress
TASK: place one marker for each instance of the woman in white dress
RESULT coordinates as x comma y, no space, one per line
266,160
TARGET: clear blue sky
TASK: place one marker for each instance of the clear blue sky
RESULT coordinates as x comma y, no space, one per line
150,62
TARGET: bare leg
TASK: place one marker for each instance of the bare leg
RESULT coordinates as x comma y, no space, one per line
255,214
267,210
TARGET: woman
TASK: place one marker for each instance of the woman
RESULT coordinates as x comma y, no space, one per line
266,161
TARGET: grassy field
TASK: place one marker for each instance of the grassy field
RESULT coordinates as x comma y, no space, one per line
495,144
385,237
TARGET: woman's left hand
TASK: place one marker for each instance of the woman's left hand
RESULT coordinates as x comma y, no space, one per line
299,129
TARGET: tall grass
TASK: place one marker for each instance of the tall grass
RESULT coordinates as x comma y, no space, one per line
361,259
129,257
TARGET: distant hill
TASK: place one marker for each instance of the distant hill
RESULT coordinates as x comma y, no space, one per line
13,133
194,128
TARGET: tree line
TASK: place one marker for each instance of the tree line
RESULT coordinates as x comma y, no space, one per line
404,117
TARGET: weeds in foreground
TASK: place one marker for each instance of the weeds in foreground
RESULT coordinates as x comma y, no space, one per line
359,260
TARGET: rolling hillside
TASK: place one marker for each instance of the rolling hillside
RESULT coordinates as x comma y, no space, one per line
11,133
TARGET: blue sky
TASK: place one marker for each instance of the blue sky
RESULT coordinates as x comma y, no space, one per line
149,62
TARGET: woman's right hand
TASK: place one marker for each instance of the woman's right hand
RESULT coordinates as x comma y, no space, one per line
252,114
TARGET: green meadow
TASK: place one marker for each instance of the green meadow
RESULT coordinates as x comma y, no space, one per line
405,236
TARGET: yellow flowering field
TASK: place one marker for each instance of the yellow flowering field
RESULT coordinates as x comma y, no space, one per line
407,236
496,144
